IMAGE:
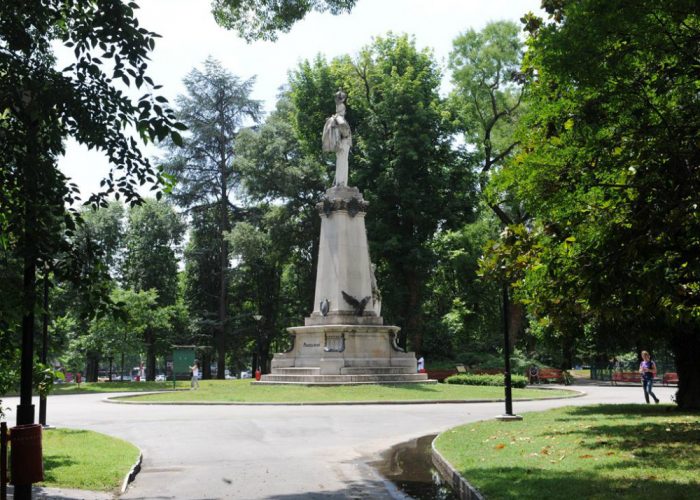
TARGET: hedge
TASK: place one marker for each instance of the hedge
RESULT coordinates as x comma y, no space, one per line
517,381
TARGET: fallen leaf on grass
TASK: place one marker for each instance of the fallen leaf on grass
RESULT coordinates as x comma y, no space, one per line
585,456
610,453
500,446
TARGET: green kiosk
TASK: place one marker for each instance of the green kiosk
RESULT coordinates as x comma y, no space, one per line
183,358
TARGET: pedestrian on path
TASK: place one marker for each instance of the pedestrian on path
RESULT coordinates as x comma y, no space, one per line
194,384
648,370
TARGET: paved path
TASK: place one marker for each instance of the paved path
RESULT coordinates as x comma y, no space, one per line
279,452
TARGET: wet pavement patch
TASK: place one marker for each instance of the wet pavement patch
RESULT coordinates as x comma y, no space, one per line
409,467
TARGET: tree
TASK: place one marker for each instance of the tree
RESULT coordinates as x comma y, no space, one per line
41,105
150,263
276,171
463,311
215,109
105,227
609,170
402,160
202,278
261,269
82,269
262,20
487,100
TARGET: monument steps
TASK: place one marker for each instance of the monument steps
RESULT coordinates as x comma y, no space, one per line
374,378
297,371
379,370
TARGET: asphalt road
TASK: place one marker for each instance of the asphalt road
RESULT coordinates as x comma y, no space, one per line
279,452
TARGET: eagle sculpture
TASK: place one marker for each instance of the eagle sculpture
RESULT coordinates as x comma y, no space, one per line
358,305
325,306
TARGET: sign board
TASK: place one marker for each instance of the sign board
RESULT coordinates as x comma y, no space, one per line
183,358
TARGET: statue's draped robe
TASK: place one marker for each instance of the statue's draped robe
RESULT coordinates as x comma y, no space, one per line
336,137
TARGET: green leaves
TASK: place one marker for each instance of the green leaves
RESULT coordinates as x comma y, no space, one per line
604,172
262,20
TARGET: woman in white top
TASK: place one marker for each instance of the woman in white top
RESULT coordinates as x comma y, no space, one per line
194,384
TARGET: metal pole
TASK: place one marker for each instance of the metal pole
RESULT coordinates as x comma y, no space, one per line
44,343
506,353
3,461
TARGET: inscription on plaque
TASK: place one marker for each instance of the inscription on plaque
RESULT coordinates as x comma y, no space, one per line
311,345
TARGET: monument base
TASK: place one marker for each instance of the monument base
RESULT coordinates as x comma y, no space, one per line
335,354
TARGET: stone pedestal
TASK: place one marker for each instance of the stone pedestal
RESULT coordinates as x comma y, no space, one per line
344,340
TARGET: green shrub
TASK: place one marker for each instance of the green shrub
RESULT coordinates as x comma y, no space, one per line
517,381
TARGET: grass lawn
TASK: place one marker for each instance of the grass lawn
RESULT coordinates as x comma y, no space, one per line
592,452
90,387
243,391
85,460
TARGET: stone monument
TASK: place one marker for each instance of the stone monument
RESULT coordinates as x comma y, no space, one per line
344,340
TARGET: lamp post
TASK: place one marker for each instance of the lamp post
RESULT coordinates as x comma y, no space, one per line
508,415
256,369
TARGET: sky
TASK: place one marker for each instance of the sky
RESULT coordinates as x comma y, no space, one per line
190,35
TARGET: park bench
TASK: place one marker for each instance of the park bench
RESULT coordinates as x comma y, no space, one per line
546,374
670,378
632,377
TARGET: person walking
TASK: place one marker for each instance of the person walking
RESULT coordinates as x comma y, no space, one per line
648,370
194,383
420,365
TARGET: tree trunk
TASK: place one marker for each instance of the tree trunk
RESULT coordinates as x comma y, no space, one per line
516,319
686,348
25,410
92,366
223,267
221,327
206,365
28,249
568,350
265,353
150,355
413,326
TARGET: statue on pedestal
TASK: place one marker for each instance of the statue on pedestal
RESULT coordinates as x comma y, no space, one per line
344,340
337,138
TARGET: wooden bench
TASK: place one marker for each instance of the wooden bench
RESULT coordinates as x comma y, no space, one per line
631,377
546,374
670,378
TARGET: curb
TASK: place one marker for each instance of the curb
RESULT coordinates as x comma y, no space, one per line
458,484
135,469
124,400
